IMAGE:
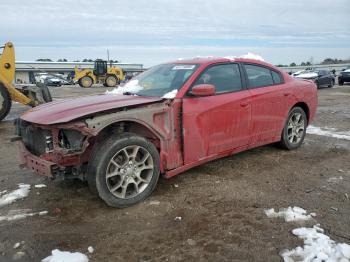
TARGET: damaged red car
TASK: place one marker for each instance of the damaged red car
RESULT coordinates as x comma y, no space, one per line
166,120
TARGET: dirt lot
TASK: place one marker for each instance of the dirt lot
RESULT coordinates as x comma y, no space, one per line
221,203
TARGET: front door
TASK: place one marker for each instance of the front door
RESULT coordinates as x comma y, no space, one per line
215,124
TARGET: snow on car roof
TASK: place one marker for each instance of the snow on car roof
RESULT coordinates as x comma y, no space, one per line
249,57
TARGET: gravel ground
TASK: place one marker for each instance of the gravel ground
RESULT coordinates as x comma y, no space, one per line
221,203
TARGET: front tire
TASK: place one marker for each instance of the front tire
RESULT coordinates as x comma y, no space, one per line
5,102
331,84
294,130
124,170
86,81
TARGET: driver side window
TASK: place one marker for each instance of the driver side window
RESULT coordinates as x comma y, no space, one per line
225,78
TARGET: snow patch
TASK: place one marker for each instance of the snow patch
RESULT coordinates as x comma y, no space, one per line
326,131
252,56
335,179
307,75
17,245
91,249
171,94
40,186
154,203
317,247
20,214
247,56
290,214
65,256
11,197
132,86
346,70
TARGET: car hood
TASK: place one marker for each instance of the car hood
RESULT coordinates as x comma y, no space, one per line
307,75
69,109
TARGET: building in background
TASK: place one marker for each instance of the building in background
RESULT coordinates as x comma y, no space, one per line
26,71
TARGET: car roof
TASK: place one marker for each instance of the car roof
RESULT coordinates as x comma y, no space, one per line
213,60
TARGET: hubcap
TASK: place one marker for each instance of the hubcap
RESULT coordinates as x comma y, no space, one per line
129,172
295,128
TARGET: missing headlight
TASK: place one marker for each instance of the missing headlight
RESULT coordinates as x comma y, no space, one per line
71,139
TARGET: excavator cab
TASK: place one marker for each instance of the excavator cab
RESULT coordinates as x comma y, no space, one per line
100,68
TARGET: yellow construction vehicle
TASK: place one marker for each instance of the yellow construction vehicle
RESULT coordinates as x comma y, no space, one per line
108,76
31,95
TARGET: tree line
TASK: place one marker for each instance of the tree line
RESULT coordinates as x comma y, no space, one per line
65,60
327,61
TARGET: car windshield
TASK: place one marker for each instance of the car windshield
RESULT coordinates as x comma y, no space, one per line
160,80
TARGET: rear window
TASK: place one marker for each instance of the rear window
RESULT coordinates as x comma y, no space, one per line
277,78
259,76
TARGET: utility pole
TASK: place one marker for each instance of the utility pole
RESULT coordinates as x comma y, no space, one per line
110,63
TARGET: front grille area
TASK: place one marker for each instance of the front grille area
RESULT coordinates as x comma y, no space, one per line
34,138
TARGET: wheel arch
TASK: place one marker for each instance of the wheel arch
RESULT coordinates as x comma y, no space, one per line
305,107
130,126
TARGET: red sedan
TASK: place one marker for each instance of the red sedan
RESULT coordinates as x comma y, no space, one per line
164,121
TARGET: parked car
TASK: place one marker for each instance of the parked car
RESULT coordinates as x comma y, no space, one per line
344,76
306,70
48,79
170,118
320,77
53,81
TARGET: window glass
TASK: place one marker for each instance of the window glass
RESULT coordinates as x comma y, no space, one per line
258,76
277,79
161,79
225,78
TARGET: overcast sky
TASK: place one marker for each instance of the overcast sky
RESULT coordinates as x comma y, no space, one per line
155,31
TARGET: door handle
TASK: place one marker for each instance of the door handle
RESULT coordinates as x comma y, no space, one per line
244,104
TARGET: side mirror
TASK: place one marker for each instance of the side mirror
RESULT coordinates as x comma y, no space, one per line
203,90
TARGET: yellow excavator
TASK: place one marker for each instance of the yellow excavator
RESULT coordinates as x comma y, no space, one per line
31,95
108,76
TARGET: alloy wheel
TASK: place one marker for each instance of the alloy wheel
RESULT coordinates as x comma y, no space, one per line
296,128
129,172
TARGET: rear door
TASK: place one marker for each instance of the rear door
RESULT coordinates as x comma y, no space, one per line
215,124
269,105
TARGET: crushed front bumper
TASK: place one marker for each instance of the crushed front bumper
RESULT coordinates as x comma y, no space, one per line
38,165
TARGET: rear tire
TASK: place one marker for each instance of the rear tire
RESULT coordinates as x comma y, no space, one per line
86,81
124,170
294,130
111,81
5,102
340,82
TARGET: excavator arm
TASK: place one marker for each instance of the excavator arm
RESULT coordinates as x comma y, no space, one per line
26,95
7,74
